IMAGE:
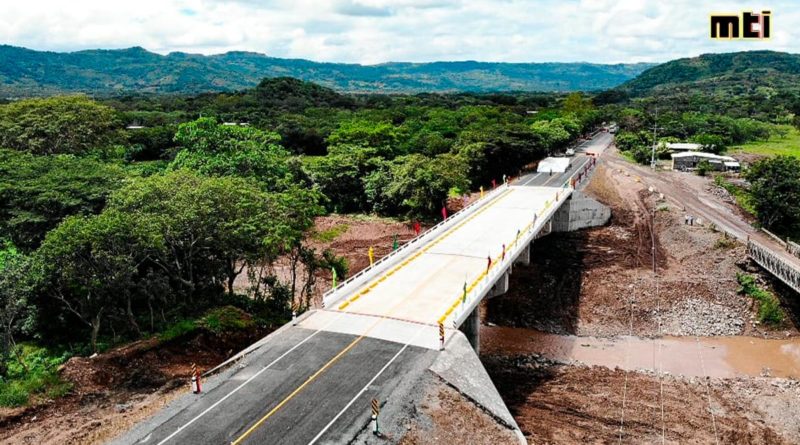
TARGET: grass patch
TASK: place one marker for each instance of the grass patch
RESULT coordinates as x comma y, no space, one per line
741,195
226,319
32,373
776,145
769,307
217,320
178,329
326,236
628,156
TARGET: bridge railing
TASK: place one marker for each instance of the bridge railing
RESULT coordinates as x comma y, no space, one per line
345,287
774,264
484,281
473,292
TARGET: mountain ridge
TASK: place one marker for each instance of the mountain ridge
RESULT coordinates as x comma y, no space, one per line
26,72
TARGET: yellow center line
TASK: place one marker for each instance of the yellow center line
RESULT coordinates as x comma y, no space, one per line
344,351
495,262
371,285
314,376
310,379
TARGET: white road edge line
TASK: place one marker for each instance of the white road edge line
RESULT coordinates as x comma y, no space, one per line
534,177
207,410
364,389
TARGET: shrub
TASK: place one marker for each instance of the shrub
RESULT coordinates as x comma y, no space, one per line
32,371
724,242
226,319
179,329
703,167
769,307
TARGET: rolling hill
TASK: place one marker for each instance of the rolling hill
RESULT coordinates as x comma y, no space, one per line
25,72
734,73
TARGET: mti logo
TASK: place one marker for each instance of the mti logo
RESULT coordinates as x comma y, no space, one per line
751,26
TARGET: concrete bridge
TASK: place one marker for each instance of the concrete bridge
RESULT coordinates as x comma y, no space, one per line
380,331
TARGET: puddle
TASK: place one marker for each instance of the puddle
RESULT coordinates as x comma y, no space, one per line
723,357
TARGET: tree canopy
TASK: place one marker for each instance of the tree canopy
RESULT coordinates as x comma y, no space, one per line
56,125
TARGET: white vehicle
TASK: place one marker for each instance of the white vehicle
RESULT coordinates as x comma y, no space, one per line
569,152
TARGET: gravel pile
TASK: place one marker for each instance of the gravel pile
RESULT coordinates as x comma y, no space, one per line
702,318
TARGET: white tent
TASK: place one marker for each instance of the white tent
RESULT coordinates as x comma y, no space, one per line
554,165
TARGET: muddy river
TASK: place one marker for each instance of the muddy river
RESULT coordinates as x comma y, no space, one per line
688,356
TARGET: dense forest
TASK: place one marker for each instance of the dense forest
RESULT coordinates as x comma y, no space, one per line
25,72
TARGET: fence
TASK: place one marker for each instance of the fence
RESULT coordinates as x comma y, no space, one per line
790,246
793,248
774,264
468,300
355,281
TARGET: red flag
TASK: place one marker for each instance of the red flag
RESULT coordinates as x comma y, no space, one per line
444,212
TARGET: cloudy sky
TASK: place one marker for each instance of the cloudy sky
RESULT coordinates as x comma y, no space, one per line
374,31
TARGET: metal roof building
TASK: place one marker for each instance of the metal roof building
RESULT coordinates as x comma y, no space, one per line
690,160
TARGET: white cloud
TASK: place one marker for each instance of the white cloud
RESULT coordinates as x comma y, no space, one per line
373,31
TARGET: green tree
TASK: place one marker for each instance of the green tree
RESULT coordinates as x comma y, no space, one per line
341,174
37,192
577,104
62,124
225,150
17,312
90,265
775,192
417,184
552,134
196,232
367,133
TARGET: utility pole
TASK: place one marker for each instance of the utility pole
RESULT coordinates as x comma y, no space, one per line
655,141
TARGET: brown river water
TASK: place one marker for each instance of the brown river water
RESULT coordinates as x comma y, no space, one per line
722,357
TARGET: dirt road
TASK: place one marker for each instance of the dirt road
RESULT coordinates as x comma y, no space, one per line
686,191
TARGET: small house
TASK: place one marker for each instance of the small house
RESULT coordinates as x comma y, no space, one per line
688,161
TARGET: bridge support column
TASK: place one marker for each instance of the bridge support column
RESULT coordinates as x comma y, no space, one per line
524,257
501,286
472,329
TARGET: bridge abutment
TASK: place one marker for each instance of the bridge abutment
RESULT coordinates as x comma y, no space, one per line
579,212
471,328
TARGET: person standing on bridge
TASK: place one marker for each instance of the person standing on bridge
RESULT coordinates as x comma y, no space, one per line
371,254
489,263
503,256
494,183
417,228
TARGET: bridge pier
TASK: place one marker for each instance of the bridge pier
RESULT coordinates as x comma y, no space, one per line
501,285
524,257
472,329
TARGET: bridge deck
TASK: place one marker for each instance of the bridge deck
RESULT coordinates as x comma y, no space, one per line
422,287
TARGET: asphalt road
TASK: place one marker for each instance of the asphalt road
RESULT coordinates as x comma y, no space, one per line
594,145
301,388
